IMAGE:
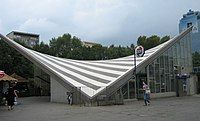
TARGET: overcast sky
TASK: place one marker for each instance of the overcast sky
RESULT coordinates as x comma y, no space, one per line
107,22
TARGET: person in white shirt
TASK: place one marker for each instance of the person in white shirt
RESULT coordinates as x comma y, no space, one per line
146,94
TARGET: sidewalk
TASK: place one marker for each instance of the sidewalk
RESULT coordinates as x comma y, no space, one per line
196,95
165,109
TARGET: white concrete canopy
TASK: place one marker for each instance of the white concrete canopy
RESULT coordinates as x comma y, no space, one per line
92,77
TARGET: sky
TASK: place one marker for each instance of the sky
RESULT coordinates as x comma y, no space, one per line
118,22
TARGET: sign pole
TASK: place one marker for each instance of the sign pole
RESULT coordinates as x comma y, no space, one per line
139,52
137,91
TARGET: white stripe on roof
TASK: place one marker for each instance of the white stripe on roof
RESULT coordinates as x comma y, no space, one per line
90,67
70,72
79,69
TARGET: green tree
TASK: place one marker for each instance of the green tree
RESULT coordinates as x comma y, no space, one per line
164,39
61,46
142,41
13,62
97,52
43,48
196,59
152,41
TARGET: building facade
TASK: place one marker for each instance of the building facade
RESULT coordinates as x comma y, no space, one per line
192,18
28,38
88,44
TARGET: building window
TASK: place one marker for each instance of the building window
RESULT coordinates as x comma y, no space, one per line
168,83
157,75
132,89
166,57
157,87
189,24
172,84
198,17
151,70
162,83
125,91
152,85
161,61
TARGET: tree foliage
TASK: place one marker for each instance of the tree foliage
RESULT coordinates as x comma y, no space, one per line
13,62
43,48
152,41
164,39
64,46
67,46
196,59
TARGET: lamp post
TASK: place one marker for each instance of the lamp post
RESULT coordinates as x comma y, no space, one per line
139,52
134,74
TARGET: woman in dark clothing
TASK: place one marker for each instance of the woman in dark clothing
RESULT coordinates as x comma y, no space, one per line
10,97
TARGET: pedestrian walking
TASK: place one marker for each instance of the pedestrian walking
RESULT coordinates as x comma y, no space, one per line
146,94
10,97
69,98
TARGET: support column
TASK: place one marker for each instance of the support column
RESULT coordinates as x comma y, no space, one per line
58,91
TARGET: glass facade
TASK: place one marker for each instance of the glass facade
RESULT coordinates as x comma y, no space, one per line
160,74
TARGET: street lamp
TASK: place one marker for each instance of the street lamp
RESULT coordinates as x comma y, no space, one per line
134,74
139,52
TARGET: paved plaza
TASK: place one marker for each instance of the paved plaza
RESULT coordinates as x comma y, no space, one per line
165,109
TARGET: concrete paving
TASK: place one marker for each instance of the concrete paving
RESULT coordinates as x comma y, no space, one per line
165,109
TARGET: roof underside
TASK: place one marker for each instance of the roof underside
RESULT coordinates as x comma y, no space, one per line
91,77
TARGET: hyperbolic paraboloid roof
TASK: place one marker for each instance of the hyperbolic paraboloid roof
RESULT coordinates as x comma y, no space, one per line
91,77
